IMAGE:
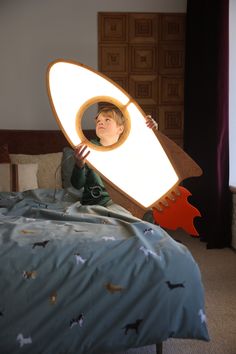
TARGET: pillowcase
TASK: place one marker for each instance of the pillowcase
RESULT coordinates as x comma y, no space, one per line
18,177
67,166
49,168
4,154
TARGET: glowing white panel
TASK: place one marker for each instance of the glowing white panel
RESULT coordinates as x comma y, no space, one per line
139,167
70,87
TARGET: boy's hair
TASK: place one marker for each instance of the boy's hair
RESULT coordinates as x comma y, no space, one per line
115,113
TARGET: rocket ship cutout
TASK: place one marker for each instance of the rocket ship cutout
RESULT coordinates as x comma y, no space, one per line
177,212
144,166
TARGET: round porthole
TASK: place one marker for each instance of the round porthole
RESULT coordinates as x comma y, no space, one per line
91,109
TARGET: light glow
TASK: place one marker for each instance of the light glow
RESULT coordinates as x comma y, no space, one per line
139,166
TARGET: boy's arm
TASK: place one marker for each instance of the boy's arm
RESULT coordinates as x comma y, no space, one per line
151,123
78,177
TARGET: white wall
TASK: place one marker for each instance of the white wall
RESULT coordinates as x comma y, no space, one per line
35,32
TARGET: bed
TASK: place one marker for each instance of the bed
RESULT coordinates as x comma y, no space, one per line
85,279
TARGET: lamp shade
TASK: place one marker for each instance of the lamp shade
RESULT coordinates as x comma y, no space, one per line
137,165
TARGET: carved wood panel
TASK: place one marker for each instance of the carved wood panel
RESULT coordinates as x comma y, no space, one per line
144,53
114,59
142,59
171,58
172,27
121,79
112,28
171,90
143,88
143,28
171,121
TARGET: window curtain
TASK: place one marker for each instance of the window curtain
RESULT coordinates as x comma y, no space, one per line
206,137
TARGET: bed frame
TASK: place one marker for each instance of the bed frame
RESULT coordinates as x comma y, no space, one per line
34,142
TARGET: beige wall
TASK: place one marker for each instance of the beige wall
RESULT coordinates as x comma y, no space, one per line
35,32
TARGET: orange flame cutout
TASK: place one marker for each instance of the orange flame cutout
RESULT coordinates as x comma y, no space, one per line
177,212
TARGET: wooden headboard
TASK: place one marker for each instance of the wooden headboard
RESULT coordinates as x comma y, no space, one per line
34,142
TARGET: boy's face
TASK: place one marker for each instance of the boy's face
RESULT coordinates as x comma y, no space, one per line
107,127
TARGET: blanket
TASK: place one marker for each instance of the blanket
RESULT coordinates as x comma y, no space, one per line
88,279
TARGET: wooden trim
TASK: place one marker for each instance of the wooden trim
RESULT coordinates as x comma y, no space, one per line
34,142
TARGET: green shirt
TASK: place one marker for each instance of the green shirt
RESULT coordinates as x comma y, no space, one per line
94,190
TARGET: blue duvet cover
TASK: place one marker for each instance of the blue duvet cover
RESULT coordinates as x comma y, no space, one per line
77,279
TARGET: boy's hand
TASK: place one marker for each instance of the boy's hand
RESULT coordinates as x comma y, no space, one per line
81,154
151,123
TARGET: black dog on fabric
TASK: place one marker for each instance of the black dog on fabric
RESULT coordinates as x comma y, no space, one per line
77,321
133,326
172,286
40,244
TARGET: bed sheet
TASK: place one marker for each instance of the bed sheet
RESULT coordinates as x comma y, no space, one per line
86,279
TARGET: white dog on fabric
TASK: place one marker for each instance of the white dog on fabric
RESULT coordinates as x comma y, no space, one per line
108,238
147,251
20,338
202,316
79,259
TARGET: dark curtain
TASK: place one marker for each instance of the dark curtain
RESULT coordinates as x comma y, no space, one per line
206,117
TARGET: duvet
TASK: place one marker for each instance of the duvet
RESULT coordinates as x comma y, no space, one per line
76,279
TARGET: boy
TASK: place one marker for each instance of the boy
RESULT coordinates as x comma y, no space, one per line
109,127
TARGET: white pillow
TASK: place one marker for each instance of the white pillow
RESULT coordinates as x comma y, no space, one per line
27,176
49,167
18,177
